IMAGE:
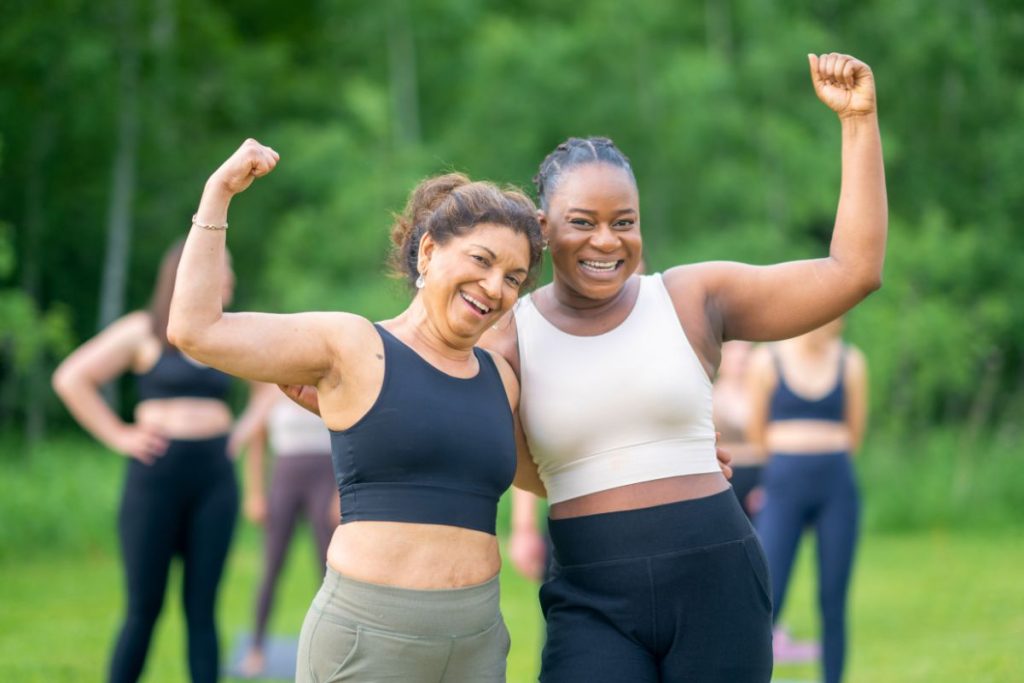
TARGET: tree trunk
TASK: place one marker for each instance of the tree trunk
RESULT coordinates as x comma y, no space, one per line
40,145
402,68
119,210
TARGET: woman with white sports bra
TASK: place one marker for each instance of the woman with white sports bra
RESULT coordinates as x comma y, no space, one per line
659,576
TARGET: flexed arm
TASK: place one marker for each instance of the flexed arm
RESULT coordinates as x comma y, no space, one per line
301,348
788,299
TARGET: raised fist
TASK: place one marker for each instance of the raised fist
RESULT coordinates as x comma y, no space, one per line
250,161
843,83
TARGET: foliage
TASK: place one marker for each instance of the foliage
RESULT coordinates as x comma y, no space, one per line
735,157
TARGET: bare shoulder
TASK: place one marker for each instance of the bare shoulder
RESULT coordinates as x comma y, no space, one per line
856,362
502,339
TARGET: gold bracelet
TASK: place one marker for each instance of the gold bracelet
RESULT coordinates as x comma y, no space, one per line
207,227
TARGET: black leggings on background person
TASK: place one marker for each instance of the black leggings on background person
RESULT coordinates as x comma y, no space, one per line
184,504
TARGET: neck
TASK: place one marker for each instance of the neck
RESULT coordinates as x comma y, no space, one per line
418,326
580,305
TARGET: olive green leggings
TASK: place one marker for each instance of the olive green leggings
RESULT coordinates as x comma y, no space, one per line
356,631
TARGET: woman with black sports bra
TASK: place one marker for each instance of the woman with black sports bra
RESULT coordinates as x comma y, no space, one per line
180,496
809,411
422,425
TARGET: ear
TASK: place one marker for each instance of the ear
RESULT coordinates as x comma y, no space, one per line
427,248
545,227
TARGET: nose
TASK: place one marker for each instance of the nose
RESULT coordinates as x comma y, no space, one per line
605,239
491,284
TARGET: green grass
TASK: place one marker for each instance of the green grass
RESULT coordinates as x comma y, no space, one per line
927,605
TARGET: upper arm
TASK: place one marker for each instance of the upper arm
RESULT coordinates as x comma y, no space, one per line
526,477
769,303
856,383
107,355
502,338
296,348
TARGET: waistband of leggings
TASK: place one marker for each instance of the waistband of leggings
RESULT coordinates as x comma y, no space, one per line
673,527
811,455
444,613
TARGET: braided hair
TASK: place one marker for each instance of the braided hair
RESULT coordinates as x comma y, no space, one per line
576,152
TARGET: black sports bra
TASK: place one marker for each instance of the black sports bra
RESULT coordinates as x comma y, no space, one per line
433,449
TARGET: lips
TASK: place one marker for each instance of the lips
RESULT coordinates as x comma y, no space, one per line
600,266
474,303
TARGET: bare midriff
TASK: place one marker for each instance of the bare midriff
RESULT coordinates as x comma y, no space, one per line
185,418
795,437
418,556
643,495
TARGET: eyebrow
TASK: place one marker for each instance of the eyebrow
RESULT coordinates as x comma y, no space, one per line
572,209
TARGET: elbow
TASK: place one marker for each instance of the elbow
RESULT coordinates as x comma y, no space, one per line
181,335
63,381
871,283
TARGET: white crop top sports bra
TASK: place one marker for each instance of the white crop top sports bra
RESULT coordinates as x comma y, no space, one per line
623,407
293,430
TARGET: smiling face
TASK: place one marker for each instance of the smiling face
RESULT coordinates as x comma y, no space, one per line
472,279
592,225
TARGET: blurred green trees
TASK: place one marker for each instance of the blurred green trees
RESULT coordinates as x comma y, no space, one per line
735,157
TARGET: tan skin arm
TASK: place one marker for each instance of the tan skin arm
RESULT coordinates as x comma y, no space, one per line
254,502
526,548
526,470
302,348
764,303
761,381
78,379
856,386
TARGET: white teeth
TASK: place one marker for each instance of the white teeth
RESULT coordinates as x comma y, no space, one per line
600,265
476,304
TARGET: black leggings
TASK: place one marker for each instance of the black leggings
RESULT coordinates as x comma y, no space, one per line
299,485
676,592
184,504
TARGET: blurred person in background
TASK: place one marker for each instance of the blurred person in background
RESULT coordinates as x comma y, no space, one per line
730,396
422,425
301,485
809,412
180,496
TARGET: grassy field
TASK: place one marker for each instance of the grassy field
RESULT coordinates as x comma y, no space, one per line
927,605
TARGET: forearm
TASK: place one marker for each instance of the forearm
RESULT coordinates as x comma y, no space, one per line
197,305
524,511
255,481
86,405
858,241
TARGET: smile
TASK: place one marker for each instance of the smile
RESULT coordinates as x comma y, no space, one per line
475,304
601,266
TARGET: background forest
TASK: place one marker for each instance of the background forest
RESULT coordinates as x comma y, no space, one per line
114,112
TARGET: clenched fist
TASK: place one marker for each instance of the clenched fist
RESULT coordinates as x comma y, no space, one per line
250,161
844,83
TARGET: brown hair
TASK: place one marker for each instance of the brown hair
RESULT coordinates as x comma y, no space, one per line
449,205
160,303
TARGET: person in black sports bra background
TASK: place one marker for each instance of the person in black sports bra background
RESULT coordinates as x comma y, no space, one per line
809,412
180,496
423,428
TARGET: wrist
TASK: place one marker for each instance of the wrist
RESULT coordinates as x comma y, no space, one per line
854,121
